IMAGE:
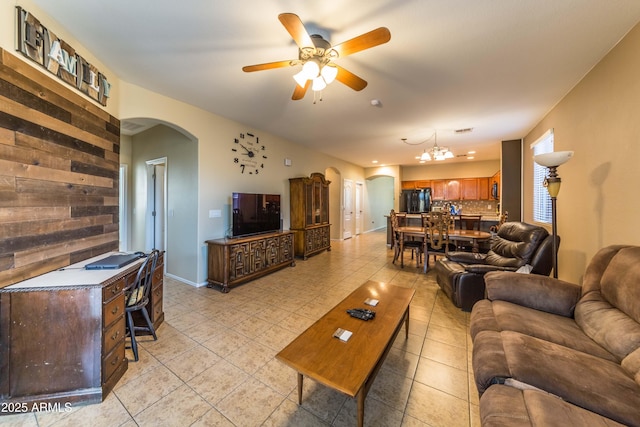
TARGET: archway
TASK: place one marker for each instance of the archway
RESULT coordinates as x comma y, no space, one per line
147,140
335,202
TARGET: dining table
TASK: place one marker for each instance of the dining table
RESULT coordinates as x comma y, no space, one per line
473,236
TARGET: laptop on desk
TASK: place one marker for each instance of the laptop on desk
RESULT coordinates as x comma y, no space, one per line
112,262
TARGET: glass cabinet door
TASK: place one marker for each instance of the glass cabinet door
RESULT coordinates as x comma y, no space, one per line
317,202
308,196
325,205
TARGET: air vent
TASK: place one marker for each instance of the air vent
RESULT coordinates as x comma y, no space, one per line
465,130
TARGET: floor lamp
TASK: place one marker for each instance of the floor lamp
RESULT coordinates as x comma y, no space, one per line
552,182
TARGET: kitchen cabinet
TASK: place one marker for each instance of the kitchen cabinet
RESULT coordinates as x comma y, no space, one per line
452,190
484,190
457,189
469,189
438,189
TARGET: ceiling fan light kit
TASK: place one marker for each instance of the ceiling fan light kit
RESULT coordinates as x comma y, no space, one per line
316,55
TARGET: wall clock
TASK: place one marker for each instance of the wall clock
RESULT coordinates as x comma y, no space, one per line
249,153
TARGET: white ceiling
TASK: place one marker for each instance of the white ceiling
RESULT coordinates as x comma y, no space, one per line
497,66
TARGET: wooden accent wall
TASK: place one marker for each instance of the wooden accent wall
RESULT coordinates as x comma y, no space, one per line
59,172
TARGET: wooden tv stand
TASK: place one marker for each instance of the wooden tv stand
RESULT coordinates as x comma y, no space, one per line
237,260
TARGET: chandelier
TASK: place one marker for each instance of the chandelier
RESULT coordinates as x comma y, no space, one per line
436,152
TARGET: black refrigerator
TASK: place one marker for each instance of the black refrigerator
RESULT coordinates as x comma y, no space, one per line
415,201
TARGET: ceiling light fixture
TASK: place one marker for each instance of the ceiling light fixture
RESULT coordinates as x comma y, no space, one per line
316,65
436,152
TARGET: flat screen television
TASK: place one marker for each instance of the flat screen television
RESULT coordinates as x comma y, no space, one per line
255,213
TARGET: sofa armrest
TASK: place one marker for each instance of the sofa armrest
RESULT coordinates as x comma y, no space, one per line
486,268
467,257
534,291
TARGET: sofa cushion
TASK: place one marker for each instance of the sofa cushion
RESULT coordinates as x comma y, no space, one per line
515,244
584,380
534,291
503,406
506,316
609,313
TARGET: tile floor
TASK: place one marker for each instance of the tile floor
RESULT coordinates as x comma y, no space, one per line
214,364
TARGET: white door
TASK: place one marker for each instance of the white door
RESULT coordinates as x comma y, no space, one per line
359,203
123,207
156,196
348,208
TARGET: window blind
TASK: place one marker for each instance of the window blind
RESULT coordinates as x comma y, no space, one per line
541,198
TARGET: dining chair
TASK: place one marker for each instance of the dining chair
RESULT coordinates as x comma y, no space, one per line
436,240
137,298
414,245
468,222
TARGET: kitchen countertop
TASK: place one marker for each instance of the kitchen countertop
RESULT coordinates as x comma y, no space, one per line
485,217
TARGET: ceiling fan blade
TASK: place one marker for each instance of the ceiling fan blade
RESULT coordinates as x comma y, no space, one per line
300,92
266,66
350,79
296,29
364,41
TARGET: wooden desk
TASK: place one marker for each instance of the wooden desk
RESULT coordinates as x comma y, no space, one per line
62,335
350,367
465,235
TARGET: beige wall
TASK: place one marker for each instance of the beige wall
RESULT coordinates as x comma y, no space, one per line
599,119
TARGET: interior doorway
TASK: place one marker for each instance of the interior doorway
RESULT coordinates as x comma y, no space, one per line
348,208
359,206
123,207
155,217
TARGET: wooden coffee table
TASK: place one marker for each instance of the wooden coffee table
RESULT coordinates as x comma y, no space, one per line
350,367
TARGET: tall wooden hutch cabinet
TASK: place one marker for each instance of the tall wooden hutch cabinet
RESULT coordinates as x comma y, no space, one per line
310,214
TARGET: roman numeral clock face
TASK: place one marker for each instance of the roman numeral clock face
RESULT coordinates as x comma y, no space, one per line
249,154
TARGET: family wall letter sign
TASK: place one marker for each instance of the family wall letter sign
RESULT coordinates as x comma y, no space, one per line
41,45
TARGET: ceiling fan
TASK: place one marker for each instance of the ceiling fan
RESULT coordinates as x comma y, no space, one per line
317,56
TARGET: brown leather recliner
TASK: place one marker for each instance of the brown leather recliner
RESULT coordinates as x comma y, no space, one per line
461,274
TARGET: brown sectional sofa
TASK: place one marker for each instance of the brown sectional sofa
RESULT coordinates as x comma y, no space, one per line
566,352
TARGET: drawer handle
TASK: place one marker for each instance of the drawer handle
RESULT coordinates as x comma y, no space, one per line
115,290
114,362
115,309
115,336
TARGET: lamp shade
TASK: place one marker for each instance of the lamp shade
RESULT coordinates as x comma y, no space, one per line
329,73
318,84
300,78
553,159
310,69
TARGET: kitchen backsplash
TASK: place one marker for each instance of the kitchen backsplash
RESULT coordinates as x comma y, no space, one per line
485,207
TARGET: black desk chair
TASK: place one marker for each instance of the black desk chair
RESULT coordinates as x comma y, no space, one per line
137,298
